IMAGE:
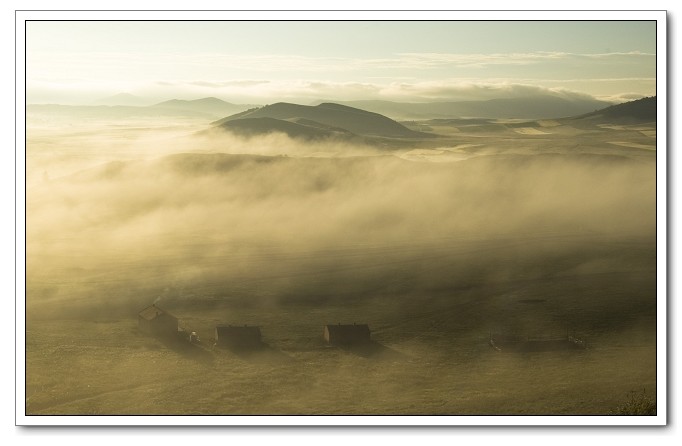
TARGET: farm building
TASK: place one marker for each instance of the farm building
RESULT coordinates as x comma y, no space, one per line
157,322
346,334
238,336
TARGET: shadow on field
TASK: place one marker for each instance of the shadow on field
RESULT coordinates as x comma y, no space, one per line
374,350
188,350
260,352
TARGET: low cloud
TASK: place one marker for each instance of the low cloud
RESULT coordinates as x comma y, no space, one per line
458,91
207,218
295,62
482,60
622,97
300,91
233,83
260,77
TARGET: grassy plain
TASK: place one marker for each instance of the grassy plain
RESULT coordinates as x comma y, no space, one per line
432,356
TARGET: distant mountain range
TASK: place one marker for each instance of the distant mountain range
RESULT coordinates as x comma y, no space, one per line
125,99
361,118
213,106
529,107
126,105
326,119
533,107
90,112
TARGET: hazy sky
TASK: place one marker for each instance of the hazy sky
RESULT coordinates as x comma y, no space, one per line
262,62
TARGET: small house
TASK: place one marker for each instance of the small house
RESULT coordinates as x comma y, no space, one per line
238,336
156,321
346,334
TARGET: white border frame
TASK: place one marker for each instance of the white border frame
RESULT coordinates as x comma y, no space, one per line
393,420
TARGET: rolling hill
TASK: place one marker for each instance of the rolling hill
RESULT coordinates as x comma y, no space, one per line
302,129
328,117
640,110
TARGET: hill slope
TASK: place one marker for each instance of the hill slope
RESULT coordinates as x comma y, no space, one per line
302,129
639,110
351,119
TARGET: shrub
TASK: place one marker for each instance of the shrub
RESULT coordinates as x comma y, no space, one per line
638,404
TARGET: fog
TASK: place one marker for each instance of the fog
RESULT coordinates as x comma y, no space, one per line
118,216
434,245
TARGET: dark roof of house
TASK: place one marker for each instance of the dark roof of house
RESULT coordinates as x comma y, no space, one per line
152,312
237,330
345,330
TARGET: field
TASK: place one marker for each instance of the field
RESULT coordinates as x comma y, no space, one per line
431,357
538,228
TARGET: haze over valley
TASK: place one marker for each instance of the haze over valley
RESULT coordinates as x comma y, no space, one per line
440,221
